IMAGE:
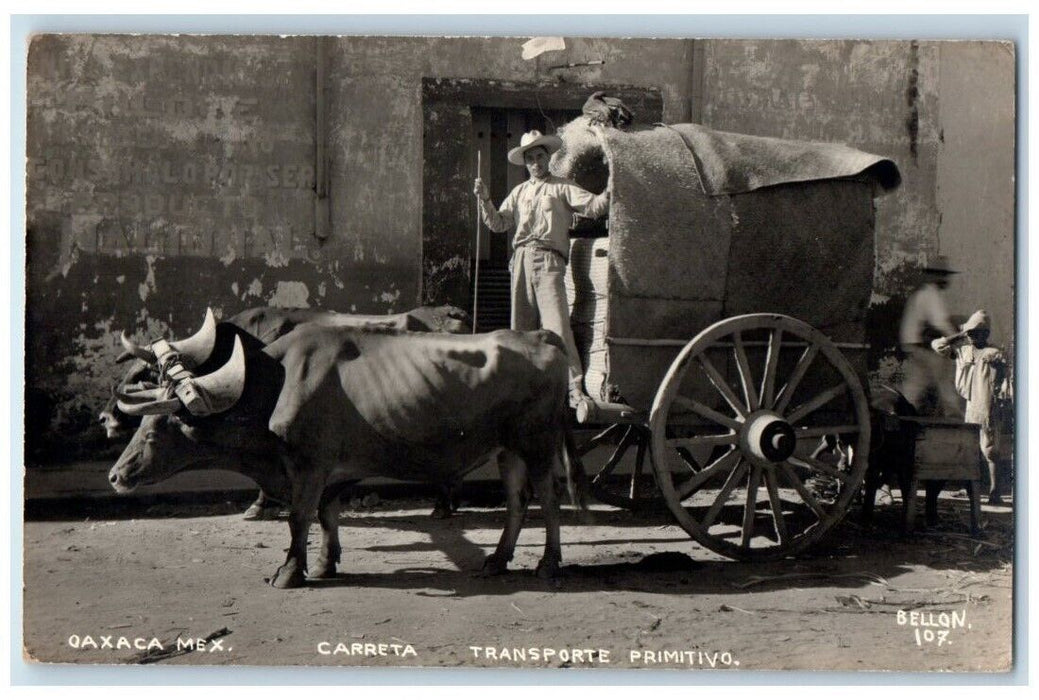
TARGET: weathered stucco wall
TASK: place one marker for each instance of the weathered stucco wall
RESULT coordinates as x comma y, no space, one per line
375,96
166,174
880,97
170,173
976,178
942,111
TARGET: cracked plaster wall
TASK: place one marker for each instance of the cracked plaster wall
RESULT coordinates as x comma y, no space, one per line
169,173
943,111
166,174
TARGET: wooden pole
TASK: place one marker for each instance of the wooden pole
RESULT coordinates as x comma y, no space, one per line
476,273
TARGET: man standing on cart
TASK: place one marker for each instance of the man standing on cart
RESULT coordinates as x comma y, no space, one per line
541,211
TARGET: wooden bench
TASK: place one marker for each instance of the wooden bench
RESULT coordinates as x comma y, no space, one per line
946,449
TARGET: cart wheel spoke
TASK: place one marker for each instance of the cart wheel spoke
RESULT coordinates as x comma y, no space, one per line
612,484
787,392
763,406
746,378
816,402
689,460
617,456
707,412
703,440
723,494
821,467
726,461
820,431
594,442
719,383
768,381
777,506
802,490
636,473
751,506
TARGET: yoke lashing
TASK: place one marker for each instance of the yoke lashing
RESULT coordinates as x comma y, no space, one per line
172,370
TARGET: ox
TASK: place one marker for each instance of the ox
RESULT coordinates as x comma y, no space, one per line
267,324
322,407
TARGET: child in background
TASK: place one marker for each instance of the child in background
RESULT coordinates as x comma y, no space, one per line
980,378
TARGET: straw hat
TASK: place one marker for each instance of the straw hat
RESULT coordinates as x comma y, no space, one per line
940,265
532,139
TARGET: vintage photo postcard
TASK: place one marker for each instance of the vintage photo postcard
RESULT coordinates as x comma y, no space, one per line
520,352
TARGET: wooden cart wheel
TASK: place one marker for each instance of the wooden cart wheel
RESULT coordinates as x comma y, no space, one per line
632,491
763,390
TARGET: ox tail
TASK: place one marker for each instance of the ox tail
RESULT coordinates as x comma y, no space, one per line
576,478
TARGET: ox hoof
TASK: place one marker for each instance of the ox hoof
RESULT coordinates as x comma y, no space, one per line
323,569
288,577
494,566
440,513
258,512
549,570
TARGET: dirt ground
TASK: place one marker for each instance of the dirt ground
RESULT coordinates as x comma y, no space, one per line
637,593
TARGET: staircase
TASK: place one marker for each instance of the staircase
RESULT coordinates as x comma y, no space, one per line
495,300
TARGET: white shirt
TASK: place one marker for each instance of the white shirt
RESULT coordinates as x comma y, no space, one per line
542,212
925,310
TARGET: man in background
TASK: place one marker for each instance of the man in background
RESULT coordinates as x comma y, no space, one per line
924,319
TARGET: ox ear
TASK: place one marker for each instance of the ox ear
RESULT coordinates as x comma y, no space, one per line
140,395
199,347
141,385
221,388
135,350
149,408
146,402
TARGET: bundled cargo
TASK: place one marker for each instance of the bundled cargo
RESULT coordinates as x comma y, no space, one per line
586,297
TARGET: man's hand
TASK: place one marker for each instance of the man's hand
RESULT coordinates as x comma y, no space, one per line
480,190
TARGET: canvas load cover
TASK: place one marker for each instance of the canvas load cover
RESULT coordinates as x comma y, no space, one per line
705,225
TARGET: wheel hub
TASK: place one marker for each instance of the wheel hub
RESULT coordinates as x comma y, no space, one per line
767,437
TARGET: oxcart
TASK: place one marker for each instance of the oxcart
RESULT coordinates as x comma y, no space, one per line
722,327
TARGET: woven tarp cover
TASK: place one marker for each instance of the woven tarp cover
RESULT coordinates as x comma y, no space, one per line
684,254
731,163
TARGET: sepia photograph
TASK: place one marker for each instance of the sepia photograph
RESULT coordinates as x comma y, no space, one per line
520,352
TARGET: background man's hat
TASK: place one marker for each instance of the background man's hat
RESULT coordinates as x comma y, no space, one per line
939,265
978,321
531,139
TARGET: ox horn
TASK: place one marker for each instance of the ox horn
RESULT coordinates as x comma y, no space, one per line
199,347
135,350
223,387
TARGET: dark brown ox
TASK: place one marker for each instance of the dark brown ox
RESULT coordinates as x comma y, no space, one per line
266,324
325,406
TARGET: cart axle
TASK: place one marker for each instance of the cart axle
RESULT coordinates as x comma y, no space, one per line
768,438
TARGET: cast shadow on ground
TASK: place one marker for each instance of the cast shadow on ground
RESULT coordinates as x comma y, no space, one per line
851,555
